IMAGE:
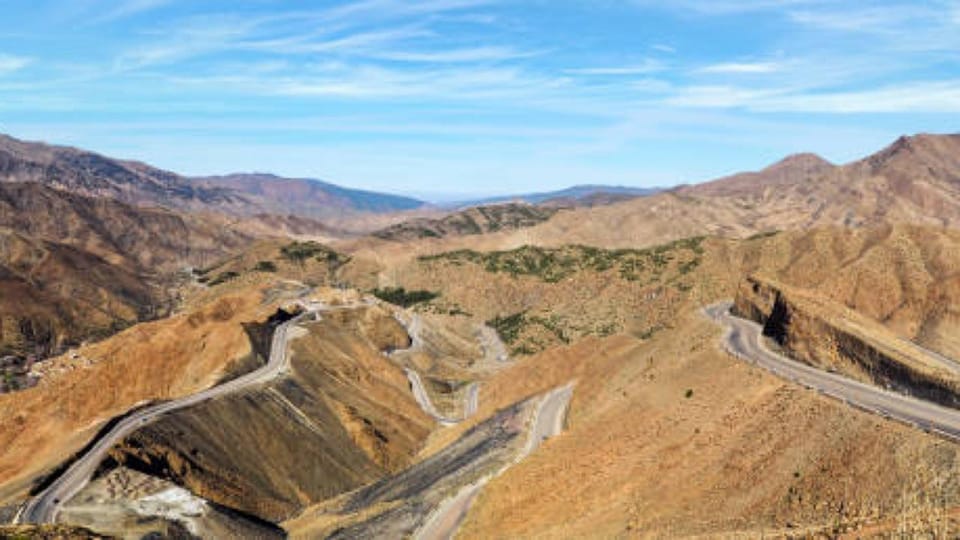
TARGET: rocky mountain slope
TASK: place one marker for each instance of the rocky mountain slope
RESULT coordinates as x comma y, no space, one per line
341,418
80,172
914,180
584,195
472,221
85,173
308,198
99,266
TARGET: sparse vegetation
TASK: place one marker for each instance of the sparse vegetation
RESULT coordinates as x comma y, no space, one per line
265,266
223,278
300,252
508,327
762,235
689,393
402,297
555,264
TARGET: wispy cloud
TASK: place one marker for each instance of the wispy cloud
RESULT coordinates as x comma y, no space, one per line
918,97
129,8
742,67
10,63
646,67
475,54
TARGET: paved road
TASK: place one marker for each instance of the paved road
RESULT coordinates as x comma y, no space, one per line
547,422
744,340
423,399
472,400
45,507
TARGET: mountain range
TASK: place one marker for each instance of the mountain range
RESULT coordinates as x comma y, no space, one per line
385,413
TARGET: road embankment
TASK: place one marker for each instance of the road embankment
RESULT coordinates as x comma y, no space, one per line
831,337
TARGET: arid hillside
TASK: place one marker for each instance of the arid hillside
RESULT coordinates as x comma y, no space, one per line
914,180
77,393
151,238
668,435
472,221
341,418
97,267
904,277
85,173
309,198
55,295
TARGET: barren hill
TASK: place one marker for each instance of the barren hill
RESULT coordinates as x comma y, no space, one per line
472,221
307,197
90,174
86,173
914,180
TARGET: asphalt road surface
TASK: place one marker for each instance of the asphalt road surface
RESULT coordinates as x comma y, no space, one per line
744,339
45,507
547,422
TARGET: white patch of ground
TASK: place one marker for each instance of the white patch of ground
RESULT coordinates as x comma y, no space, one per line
173,503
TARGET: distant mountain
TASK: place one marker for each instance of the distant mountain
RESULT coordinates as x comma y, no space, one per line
585,195
306,197
93,175
790,170
914,180
74,267
475,220
89,174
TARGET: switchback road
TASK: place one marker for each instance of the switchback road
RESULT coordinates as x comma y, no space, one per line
547,421
744,339
45,507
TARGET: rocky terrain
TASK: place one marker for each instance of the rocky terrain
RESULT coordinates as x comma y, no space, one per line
472,221
391,411
313,199
830,337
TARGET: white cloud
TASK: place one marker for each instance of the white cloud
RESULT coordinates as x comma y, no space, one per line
742,67
130,8
10,63
715,7
646,67
919,97
476,54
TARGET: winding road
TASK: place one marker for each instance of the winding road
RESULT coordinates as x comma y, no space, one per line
45,507
419,391
547,422
744,339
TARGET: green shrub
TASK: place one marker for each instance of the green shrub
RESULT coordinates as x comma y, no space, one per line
223,278
509,327
265,266
402,297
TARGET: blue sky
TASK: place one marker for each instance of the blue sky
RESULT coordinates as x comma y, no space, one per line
478,96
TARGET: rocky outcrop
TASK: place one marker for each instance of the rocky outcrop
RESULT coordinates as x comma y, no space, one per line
828,336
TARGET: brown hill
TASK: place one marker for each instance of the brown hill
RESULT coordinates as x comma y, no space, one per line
89,174
670,436
120,233
99,266
472,221
915,180
55,295
789,171
309,198
86,173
